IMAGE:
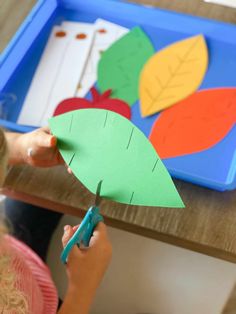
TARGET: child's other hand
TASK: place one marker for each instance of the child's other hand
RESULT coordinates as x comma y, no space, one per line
86,266
37,148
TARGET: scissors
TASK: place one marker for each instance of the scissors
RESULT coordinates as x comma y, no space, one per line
84,233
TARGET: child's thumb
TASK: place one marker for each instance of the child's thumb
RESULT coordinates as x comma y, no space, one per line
68,233
43,139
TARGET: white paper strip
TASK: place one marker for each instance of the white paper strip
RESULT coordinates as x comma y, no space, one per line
72,67
58,73
106,34
43,80
229,3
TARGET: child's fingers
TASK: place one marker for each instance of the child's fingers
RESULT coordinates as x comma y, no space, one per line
69,170
99,233
68,233
100,229
53,141
48,131
75,227
101,242
44,139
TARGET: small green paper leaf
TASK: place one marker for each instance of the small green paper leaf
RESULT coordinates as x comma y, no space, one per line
120,65
100,144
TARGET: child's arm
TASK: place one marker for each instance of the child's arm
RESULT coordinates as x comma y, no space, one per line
85,269
37,148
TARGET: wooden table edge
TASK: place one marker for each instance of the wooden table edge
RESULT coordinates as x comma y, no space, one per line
148,233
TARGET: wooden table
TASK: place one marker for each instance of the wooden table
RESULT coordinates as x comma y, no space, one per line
207,224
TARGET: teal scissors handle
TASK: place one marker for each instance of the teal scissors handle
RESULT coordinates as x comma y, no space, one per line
84,233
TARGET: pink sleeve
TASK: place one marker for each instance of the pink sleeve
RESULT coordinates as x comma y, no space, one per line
32,278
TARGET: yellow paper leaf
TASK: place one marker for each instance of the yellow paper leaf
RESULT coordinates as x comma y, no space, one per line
172,74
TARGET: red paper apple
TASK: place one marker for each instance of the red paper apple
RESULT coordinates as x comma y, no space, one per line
100,101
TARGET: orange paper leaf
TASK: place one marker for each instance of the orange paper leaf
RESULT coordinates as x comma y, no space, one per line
172,74
195,124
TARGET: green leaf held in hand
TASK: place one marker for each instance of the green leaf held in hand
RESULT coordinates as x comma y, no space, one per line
102,145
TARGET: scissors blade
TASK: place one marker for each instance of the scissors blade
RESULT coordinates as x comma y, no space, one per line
98,198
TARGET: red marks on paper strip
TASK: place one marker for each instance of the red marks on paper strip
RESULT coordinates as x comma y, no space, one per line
102,31
81,36
60,34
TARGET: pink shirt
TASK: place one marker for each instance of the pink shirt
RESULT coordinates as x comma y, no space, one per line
32,278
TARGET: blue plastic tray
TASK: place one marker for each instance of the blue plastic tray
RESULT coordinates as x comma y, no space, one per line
214,168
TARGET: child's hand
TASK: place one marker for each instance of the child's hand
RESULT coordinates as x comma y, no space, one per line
86,267
37,148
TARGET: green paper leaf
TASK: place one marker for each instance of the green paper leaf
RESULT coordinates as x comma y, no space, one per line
100,144
120,65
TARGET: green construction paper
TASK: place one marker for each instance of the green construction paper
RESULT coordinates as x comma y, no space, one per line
99,144
120,65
